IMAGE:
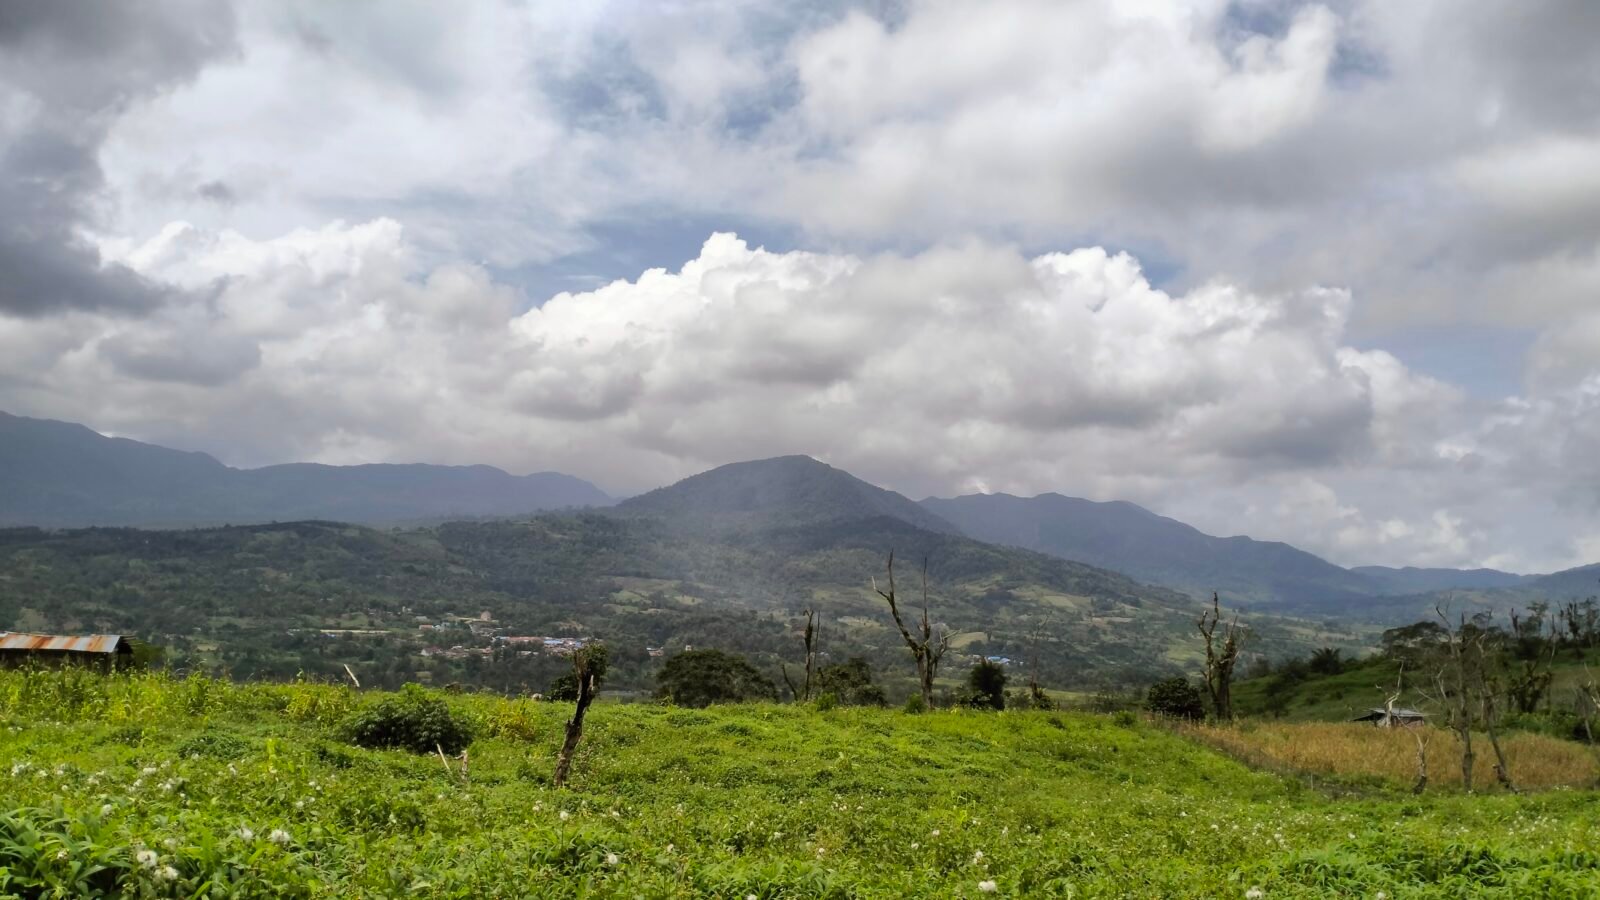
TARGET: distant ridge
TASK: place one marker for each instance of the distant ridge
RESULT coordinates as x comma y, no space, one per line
1153,548
60,474
1412,580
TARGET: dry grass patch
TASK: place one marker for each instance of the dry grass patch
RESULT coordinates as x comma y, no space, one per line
1354,750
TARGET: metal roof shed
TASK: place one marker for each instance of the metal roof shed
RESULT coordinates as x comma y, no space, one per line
1384,719
18,648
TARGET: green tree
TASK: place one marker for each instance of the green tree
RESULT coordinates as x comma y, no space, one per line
986,686
851,684
1175,697
565,687
1327,661
700,678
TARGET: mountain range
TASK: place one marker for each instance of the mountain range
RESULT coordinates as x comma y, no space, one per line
58,474
728,558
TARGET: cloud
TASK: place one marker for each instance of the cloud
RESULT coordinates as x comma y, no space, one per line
964,365
201,218
66,73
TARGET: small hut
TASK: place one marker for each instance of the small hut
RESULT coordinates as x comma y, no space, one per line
1386,718
101,651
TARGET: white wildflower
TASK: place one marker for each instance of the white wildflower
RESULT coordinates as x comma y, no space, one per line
977,857
915,845
170,843
611,859
750,897
988,887
278,836
936,832
147,858
148,770
1254,893
105,810
564,815
245,833
61,856
167,873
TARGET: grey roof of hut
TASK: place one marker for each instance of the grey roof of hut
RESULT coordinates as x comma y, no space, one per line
58,643
1379,712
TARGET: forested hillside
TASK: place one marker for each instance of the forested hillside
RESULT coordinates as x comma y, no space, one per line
256,600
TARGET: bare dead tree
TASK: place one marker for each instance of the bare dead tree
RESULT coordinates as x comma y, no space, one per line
587,664
813,634
1487,686
1588,701
1417,732
1452,679
1037,698
926,647
1220,660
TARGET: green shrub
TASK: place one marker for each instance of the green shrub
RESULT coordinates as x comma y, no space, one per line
213,744
914,704
850,683
702,677
986,686
414,720
1175,697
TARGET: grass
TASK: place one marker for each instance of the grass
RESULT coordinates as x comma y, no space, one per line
1356,751
248,790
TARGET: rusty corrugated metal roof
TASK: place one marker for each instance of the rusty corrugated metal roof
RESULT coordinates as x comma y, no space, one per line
89,643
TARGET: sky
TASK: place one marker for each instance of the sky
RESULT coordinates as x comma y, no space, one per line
1326,273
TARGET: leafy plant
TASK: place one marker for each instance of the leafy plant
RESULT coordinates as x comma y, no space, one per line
986,686
413,719
1175,697
702,677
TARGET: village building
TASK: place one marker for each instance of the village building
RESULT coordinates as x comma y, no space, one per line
103,651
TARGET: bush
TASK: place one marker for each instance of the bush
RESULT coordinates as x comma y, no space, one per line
215,745
914,704
702,677
986,686
1175,697
850,683
565,687
414,720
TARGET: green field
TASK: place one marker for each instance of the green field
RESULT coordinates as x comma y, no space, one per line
248,790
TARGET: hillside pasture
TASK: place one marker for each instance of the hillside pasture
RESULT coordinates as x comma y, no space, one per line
150,785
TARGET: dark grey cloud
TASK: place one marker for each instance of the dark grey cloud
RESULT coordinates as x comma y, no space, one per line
217,192
81,65
203,360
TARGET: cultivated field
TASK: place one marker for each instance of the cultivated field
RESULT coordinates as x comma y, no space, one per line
153,786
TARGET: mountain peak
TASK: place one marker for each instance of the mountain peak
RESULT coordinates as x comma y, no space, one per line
782,490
